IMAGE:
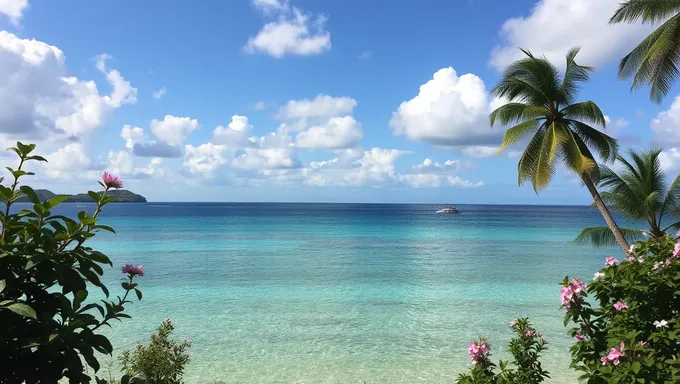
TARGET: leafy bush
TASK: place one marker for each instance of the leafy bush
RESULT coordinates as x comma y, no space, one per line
525,347
162,361
45,272
632,334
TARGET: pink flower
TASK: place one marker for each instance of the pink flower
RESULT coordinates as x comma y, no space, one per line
613,356
603,359
677,234
668,262
610,261
112,181
529,333
133,270
578,337
513,324
566,294
479,351
578,285
676,250
620,306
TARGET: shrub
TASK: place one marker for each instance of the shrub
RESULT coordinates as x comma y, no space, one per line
162,361
525,347
46,271
632,333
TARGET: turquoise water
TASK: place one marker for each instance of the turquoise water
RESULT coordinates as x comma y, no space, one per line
314,293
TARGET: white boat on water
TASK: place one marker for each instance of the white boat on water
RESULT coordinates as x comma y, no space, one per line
448,209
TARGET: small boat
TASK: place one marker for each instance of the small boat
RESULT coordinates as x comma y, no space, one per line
448,209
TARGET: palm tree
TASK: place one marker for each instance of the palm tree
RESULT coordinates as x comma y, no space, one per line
655,60
542,104
639,193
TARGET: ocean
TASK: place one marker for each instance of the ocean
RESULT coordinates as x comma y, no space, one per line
344,293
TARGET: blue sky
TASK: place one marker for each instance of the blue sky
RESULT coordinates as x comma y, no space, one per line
300,100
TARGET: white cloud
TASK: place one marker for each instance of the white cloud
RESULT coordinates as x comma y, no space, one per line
555,26
67,162
235,134
160,93
13,9
272,151
40,101
132,135
421,180
203,159
293,32
260,105
429,166
323,106
670,159
173,130
458,182
120,163
449,110
338,132
666,125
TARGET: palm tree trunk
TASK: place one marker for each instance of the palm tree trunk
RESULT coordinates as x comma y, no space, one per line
605,213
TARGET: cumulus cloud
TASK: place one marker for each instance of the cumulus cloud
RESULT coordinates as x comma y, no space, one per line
13,9
203,159
235,134
666,125
579,23
322,106
449,110
132,135
159,93
67,162
173,130
41,101
670,159
294,32
429,166
338,132
458,182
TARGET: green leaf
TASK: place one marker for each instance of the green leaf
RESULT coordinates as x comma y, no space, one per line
102,341
635,367
22,310
53,202
25,149
35,157
139,294
30,193
94,195
78,298
105,227
3,284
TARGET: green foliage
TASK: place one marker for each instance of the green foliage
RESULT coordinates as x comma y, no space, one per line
655,60
525,347
162,361
542,105
638,341
121,196
49,329
639,192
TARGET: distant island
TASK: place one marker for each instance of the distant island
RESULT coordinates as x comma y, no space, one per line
123,196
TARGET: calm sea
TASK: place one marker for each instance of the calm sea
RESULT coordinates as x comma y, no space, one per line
345,293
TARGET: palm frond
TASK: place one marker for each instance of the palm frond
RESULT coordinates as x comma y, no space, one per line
530,80
649,11
573,158
516,112
586,112
526,167
658,64
606,146
516,133
603,236
671,202
573,75
545,163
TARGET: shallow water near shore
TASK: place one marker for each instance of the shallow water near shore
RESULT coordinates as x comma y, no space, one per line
345,293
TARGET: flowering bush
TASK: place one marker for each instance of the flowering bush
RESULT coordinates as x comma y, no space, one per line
525,347
48,328
633,334
162,361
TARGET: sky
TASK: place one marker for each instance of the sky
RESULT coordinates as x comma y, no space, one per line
302,100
